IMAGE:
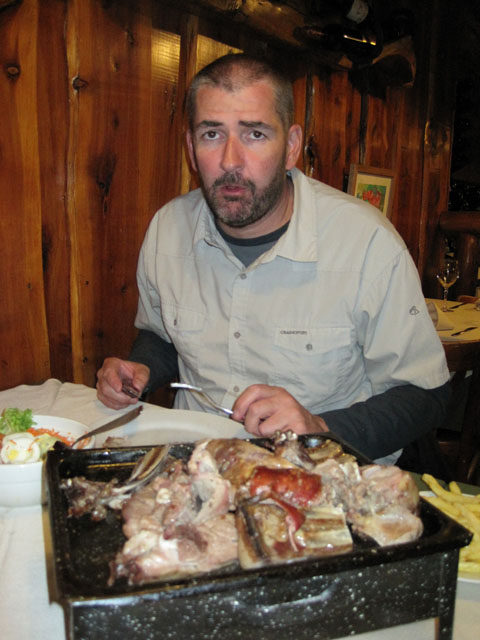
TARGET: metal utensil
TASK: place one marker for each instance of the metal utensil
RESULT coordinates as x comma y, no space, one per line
112,424
191,387
151,464
455,306
459,333
130,391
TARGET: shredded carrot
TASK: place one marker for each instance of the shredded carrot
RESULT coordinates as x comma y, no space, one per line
50,432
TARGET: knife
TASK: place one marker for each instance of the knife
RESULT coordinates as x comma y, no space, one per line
112,424
458,305
457,333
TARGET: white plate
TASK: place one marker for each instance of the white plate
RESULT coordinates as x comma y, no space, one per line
156,425
463,576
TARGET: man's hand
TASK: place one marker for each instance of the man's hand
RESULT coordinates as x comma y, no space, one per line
264,409
113,374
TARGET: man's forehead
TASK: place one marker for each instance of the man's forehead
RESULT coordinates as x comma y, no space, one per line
253,103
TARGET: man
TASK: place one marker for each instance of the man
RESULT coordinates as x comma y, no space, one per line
291,302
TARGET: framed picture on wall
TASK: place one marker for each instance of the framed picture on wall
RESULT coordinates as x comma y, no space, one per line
373,185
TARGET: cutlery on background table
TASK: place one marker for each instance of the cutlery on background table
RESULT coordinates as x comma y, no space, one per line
458,333
455,306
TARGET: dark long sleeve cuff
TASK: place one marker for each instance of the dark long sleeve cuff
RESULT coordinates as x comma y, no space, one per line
158,355
389,421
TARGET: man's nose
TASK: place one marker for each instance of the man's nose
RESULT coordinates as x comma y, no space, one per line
232,157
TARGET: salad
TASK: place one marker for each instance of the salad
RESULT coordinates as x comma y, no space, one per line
20,441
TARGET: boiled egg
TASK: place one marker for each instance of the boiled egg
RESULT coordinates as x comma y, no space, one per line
18,448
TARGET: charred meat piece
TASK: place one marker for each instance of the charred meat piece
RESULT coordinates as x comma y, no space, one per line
294,485
392,526
237,459
383,486
286,445
272,532
178,525
88,496
192,550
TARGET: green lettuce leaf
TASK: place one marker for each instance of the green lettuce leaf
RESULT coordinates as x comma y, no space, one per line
15,421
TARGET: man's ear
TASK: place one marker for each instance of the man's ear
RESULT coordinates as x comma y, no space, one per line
191,150
294,146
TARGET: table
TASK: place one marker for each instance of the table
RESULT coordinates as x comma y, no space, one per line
459,440
27,592
460,318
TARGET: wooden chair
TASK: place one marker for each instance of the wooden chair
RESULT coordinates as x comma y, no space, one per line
462,448
471,299
462,230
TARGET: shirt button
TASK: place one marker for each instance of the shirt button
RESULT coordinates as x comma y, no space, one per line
243,276
309,347
236,389
236,334
175,322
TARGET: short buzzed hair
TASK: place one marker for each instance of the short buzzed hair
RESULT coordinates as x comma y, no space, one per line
236,71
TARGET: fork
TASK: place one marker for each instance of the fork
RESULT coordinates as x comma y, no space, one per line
191,387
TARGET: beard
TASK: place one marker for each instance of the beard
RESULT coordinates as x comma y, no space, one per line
240,211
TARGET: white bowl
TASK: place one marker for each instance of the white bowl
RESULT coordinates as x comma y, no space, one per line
21,485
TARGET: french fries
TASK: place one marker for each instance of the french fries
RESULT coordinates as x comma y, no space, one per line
465,510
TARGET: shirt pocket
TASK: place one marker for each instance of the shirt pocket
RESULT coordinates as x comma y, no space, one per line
185,327
312,363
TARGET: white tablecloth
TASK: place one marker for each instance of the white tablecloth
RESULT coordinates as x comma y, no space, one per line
457,320
28,610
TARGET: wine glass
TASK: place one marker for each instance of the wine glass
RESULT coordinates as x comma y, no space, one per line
447,276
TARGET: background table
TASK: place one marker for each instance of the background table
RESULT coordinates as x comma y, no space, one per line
459,438
459,318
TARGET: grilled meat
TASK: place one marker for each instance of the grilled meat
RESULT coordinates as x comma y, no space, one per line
234,501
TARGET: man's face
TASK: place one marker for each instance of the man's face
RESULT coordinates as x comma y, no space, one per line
241,152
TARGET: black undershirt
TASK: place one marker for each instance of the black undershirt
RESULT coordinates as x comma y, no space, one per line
247,250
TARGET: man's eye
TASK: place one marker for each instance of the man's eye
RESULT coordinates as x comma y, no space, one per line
211,135
257,135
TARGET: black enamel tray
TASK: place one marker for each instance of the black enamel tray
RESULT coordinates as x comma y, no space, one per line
368,588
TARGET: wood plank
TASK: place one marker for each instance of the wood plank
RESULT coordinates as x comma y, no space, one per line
120,118
327,132
53,116
23,327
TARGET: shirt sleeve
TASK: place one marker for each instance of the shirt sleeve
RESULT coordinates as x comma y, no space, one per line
399,342
389,421
158,355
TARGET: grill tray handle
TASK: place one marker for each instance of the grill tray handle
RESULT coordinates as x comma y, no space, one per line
259,613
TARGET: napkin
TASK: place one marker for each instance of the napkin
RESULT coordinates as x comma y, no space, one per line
439,319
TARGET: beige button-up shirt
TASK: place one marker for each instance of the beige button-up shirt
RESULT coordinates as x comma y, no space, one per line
334,312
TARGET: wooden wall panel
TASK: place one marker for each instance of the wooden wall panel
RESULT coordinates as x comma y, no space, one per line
24,342
329,127
122,153
53,126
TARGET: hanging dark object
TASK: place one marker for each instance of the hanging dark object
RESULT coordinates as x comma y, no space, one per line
355,32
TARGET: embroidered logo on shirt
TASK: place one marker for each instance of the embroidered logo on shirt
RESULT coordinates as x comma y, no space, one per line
413,311
294,332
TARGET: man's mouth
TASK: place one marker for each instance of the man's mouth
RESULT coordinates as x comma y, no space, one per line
232,190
